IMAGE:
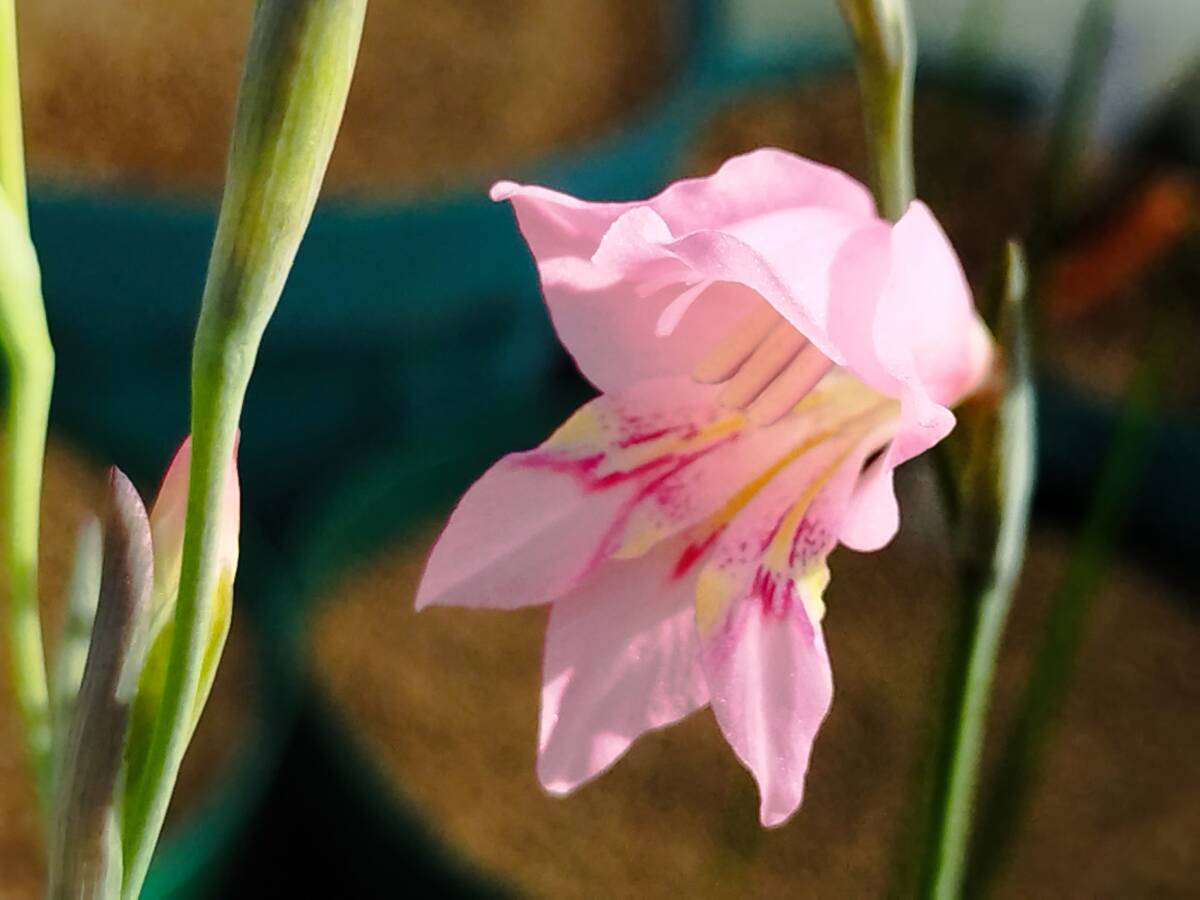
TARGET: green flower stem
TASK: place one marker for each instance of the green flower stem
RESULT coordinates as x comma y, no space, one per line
12,149
886,61
30,358
293,91
1046,689
995,487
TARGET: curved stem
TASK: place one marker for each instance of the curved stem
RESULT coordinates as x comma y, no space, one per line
290,103
31,376
30,357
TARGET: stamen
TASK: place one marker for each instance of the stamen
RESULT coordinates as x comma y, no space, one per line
789,387
727,357
670,317
767,361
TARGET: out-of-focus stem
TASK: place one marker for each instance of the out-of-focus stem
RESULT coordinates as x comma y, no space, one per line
994,479
1049,680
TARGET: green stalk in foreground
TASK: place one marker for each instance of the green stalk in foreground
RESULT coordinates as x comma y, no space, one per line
293,92
12,147
30,357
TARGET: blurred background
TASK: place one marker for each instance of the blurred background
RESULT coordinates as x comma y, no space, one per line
355,749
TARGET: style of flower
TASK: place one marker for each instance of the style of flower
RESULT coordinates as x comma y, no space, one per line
768,351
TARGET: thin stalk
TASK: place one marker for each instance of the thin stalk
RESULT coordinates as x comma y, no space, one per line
1050,679
30,356
293,91
886,62
12,148
996,487
31,376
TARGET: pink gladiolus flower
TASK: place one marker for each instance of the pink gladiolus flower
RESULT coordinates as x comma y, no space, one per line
768,351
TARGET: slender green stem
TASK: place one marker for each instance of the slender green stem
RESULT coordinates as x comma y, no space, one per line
995,487
30,357
31,374
886,61
12,149
1073,599
293,92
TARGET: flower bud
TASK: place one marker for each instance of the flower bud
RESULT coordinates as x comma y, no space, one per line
85,849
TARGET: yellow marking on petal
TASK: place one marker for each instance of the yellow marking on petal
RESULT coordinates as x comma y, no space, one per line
778,553
640,540
811,584
584,427
715,591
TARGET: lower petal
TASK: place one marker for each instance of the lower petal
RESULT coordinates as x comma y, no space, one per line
622,657
759,607
771,688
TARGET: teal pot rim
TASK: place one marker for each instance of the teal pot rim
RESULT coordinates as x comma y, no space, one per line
197,853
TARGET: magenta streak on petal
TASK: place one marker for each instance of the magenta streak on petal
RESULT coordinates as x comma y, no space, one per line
648,490
645,438
583,467
693,552
806,542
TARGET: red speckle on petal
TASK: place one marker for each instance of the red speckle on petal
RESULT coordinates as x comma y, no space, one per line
692,552
643,438
584,468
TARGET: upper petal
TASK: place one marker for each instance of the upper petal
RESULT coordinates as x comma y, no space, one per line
622,657
608,271
928,301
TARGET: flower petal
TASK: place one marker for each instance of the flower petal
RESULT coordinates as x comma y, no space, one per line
929,298
608,280
772,688
713,486
538,521
622,657
872,515
759,606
